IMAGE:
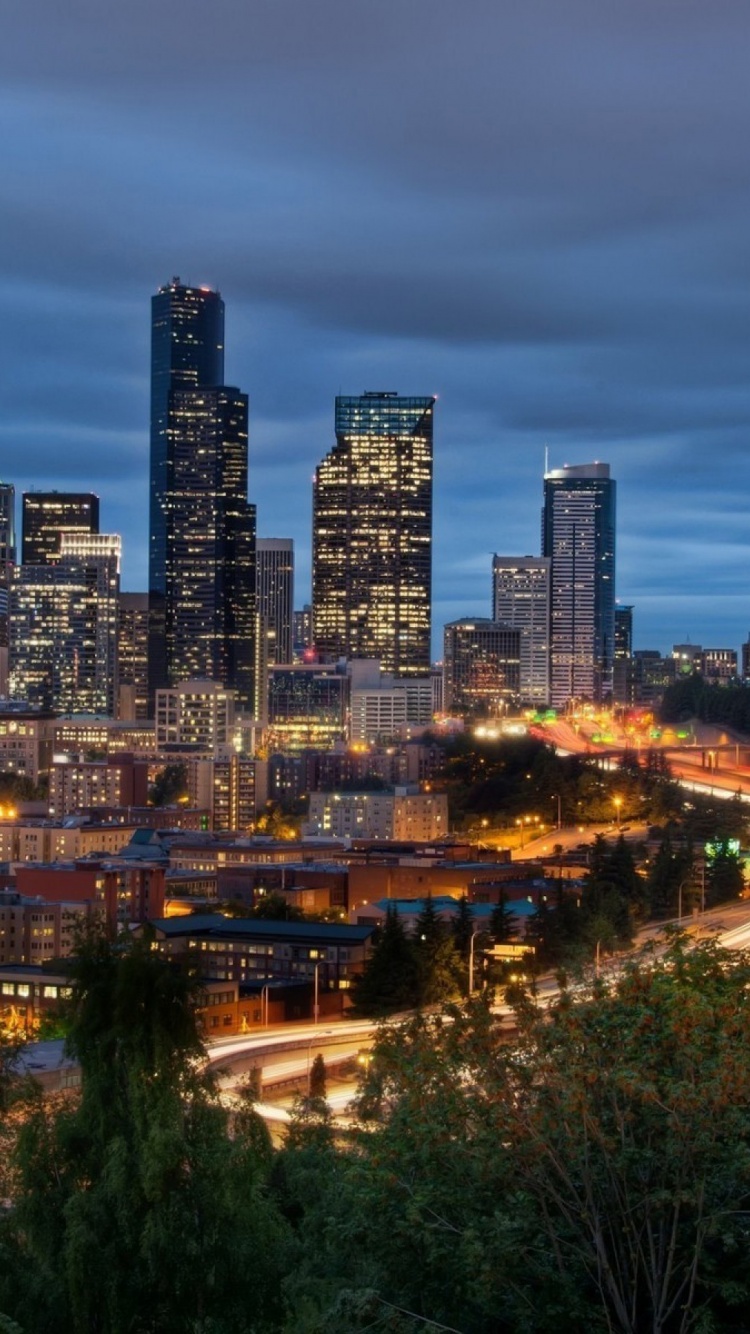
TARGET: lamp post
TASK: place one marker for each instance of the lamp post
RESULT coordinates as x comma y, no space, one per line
264,1006
556,798
315,1001
618,804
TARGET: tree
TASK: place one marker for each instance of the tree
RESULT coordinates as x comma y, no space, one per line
438,965
388,981
318,1077
169,786
141,1175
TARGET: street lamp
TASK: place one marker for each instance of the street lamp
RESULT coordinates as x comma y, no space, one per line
618,804
556,798
315,1001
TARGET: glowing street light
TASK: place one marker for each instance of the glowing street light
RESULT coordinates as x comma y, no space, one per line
618,804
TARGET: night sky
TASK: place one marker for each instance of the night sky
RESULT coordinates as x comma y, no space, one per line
539,211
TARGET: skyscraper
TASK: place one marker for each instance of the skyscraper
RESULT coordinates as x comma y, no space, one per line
7,562
48,514
276,596
202,549
520,598
64,627
578,529
372,534
132,655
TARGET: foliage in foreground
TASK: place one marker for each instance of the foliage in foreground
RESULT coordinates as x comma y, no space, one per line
594,1174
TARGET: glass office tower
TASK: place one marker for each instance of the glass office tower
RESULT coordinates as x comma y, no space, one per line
187,352
578,527
202,529
372,534
46,515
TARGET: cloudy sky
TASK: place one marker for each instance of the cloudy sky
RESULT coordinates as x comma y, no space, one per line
539,211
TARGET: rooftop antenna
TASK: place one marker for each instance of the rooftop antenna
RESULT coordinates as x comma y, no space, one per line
546,459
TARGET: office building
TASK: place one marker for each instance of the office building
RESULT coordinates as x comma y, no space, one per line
520,598
7,561
202,529
623,664
210,607
132,656
64,624
307,706
383,706
302,632
481,668
46,515
372,534
276,597
578,531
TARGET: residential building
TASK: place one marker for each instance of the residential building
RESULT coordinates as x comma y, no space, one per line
405,813
76,785
372,534
481,667
199,714
520,598
578,530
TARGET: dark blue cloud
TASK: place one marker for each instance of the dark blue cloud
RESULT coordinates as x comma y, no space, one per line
539,212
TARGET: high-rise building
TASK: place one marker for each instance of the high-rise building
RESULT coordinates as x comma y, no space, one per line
276,596
302,632
520,598
132,656
64,621
202,529
210,601
7,561
481,667
578,530
49,514
623,665
372,534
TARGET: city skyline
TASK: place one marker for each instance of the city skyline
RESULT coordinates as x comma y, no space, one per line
544,222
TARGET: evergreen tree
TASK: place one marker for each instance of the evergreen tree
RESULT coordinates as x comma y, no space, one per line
128,1195
437,960
388,981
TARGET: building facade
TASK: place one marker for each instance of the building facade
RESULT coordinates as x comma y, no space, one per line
46,515
481,667
520,598
187,353
202,590
406,814
196,714
275,556
7,561
64,628
132,657
578,529
372,534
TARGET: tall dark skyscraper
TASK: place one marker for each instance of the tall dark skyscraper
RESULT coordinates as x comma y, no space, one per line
578,528
276,596
7,562
372,534
202,530
49,514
